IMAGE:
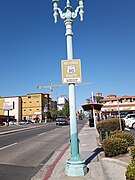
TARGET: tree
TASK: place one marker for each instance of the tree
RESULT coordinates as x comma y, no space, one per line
65,109
88,101
54,113
98,99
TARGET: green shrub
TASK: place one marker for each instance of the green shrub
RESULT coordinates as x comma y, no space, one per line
37,121
114,146
133,154
108,125
130,173
123,135
115,132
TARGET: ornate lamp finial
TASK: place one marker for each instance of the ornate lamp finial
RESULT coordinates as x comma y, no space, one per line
68,3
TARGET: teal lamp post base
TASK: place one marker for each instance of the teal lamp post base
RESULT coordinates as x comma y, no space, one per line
76,168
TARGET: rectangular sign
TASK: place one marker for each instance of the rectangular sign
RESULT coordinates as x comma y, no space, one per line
71,71
8,105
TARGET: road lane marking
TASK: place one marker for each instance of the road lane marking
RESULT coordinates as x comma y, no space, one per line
8,146
42,134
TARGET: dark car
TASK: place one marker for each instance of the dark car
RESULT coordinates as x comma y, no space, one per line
62,120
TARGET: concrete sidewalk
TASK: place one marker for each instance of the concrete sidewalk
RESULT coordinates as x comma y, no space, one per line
102,169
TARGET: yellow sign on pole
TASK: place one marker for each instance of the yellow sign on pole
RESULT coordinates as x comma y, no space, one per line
71,71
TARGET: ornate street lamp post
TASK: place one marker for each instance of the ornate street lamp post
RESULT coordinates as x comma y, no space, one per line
75,165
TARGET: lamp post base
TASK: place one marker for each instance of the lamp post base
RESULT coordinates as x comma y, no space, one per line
77,168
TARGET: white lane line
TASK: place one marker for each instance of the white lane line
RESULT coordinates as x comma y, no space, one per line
42,134
8,146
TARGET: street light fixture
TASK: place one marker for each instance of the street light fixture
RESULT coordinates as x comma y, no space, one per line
75,165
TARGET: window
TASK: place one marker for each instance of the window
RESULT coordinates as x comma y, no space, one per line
30,109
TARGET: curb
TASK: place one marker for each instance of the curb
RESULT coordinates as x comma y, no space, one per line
116,161
49,172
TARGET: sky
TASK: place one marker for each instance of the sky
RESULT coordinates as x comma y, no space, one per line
32,47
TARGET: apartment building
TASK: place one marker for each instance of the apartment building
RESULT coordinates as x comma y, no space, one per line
30,106
113,104
35,105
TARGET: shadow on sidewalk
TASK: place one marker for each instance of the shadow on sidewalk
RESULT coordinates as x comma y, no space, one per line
94,154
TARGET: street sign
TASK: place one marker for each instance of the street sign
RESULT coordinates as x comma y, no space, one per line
45,109
71,71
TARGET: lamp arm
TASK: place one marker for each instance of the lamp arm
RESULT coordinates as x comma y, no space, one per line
79,10
62,15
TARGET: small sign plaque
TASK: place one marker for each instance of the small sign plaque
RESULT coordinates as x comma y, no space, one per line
71,71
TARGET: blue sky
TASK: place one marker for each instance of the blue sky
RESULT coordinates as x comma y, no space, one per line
32,47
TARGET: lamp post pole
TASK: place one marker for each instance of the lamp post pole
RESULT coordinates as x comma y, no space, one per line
75,165
119,114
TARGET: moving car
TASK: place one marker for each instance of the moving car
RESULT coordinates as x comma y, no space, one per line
62,120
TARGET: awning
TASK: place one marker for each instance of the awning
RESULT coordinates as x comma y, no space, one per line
87,107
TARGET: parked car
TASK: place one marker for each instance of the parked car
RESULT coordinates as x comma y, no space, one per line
130,123
12,123
129,117
23,122
33,120
62,120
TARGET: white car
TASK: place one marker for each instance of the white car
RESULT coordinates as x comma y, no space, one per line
129,117
130,123
12,123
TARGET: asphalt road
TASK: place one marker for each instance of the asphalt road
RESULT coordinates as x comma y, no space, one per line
23,153
132,131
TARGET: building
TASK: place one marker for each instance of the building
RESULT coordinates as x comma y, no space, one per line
61,102
114,105
34,106
11,106
30,106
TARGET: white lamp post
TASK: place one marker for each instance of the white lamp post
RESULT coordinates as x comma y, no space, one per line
75,165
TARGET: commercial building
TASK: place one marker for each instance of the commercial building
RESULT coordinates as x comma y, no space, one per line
30,106
113,105
35,105
11,106
61,102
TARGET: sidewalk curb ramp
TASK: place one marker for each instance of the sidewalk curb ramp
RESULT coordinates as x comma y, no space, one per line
114,169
